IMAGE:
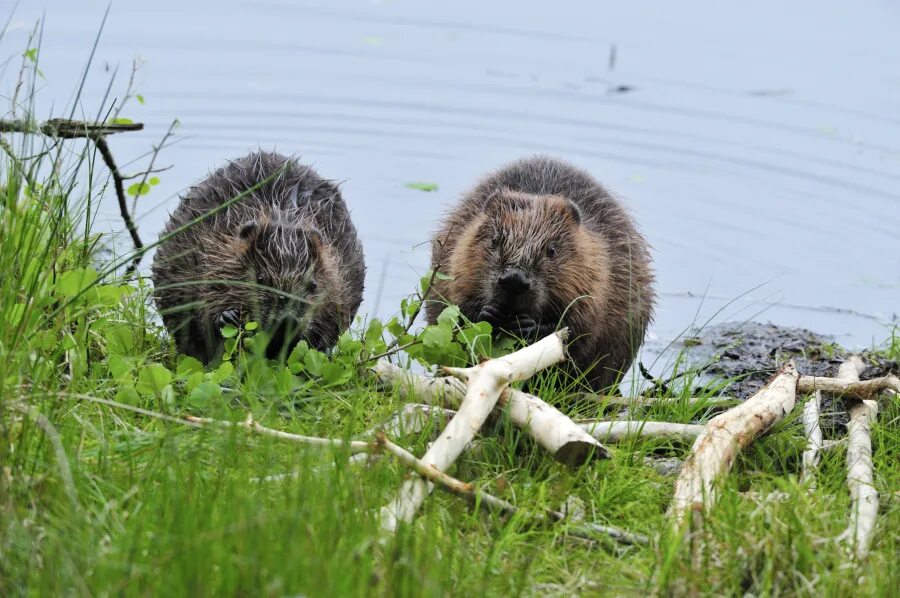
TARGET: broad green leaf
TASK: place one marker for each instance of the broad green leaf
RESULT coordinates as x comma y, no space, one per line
204,394
335,373
139,98
314,361
251,326
188,366
448,316
128,395
119,339
374,331
152,379
74,282
229,331
436,337
223,372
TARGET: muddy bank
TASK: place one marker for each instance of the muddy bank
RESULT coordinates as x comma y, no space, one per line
749,353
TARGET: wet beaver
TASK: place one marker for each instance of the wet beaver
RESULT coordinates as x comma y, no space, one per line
284,254
540,244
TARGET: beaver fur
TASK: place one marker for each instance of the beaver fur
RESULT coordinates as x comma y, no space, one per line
284,254
538,245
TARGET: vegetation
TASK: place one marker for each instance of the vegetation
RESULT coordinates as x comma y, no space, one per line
101,500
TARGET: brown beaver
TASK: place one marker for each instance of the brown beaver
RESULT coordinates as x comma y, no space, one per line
539,245
284,254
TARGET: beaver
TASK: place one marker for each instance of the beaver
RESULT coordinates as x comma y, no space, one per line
276,246
538,245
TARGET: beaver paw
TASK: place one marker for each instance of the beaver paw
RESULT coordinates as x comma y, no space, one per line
490,314
229,317
526,327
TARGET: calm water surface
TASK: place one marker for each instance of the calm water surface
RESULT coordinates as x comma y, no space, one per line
758,146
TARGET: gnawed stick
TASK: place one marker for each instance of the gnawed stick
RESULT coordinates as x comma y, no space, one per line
619,430
814,440
549,427
860,471
863,390
485,382
249,424
725,435
494,504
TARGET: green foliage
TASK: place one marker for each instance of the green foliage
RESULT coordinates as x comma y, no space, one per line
422,186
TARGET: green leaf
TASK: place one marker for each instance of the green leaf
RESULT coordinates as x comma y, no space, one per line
188,366
422,186
122,121
138,189
335,373
120,368
395,327
119,339
128,395
75,282
348,345
229,331
436,337
139,98
251,326
295,359
154,180
314,361
412,308
31,54
223,372
448,316
374,331
153,378
204,394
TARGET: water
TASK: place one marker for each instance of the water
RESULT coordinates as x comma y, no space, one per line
758,147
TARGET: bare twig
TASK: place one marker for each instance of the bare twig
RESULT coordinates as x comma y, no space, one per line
860,470
617,431
867,389
725,435
485,382
491,503
110,162
813,433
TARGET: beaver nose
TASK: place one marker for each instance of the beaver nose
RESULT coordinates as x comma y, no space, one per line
513,282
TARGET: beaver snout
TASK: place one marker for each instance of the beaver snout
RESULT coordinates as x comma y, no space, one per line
514,282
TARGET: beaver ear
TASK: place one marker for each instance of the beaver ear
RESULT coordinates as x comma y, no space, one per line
249,230
502,200
574,211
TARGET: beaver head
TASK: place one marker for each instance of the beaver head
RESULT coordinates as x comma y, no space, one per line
534,257
277,274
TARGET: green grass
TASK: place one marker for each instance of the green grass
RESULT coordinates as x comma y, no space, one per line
97,500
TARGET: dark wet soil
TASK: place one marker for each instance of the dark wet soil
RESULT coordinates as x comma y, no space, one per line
749,353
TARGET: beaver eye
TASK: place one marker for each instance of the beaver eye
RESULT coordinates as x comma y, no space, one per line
551,250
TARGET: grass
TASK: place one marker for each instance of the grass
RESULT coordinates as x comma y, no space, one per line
96,500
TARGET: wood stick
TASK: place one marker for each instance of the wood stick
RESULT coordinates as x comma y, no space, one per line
548,426
725,435
619,430
485,383
814,440
867,389
860,470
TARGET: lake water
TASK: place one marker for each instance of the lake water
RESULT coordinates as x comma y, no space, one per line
758,146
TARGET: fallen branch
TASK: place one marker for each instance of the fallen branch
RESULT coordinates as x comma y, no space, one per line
645,401
725,435
549,427
617,431
485,383
61,128
865,390
814,440
860,471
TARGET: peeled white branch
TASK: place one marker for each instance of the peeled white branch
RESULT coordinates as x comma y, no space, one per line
860,471
814,440
549,427
249,424
867,389
619,430
725,435
485,383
